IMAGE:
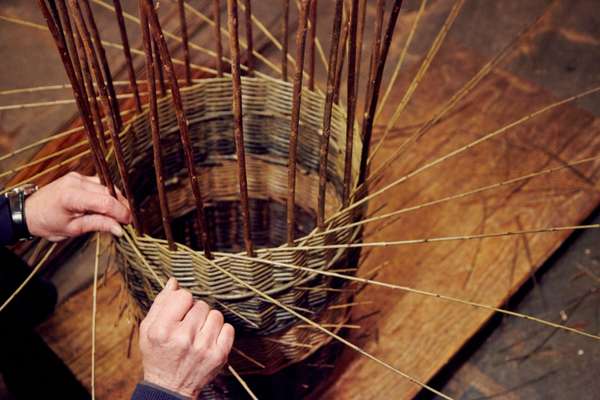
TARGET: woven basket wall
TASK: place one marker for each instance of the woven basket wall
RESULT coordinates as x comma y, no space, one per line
266,332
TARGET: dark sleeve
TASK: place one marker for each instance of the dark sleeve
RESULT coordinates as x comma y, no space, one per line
148,391
6,233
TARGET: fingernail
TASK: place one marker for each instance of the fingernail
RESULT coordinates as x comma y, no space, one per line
172,284
116,230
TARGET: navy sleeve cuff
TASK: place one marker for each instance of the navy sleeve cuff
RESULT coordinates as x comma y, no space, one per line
147,391
6,232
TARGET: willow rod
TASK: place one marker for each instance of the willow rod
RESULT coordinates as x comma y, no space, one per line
312,35
249,37
58,37
343,47
127,53
420,292
88,85
114,122
458,195
324,148
401,59
217,32
182,123
103,62
82,70
158,69
295,119
374,55
461,93
469,146
438,239
285,33
367,127
106,43
155,130
238,126
185,42
361,22
94,312
423,68
350,101
307,320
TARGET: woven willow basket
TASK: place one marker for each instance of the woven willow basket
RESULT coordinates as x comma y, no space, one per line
268,333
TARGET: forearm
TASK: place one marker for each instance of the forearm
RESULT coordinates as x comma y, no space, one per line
6,232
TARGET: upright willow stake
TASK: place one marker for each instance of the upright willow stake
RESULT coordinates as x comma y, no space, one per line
312,35
324,149
367,128
88,84
374,55
182,122
82,70
234,45
81,100
185,42
285,33
351,101
341,57
114,127
155,129
249,36
218,42
103,62
127,52
158,69
295,119
361,20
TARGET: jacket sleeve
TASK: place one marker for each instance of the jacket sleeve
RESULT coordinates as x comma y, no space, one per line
148,391
6,232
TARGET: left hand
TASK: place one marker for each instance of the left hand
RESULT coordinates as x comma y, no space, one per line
74,205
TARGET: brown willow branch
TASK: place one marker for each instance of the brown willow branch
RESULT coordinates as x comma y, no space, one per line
232,21
155,130
295,120
182,122
324,148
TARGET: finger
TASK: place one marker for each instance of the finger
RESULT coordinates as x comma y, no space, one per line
212,327
159,301
94,223
96,203
195,318
176,305
225,339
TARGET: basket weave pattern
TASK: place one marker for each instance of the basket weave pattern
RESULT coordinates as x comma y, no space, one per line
270,333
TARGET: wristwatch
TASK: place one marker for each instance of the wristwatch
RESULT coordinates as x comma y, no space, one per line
16,201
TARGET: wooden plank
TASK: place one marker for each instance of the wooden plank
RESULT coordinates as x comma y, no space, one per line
411,334
418,334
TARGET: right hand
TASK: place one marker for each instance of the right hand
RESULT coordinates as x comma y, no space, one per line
184,344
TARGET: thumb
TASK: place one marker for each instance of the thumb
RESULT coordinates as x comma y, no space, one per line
95,223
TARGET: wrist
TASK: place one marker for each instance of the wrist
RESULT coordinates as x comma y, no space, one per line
17,199
168,387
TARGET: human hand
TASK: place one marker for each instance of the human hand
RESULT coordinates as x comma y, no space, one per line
184,344
73,205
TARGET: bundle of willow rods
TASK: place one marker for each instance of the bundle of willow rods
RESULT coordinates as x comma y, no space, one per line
244,169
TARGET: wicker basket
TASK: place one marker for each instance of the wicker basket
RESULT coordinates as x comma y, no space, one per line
265,332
